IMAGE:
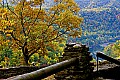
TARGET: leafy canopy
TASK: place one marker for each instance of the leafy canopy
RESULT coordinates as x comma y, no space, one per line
113,49
31,28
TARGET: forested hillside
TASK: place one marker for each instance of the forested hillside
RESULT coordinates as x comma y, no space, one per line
101,25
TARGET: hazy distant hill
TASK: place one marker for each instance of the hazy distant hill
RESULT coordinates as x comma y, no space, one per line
97,3
101,22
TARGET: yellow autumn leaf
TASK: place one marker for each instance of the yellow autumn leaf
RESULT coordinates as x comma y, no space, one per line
8,35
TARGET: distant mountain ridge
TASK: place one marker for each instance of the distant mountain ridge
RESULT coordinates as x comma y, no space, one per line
97,3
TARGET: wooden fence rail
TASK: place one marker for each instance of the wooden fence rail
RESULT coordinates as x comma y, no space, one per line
47,71
103,56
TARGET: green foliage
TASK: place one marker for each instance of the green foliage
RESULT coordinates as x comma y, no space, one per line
113,50
50,58
9,58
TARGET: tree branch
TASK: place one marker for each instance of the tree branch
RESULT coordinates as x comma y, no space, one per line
10,9
50,22
22,23
15,38
36,16
58,35
34,51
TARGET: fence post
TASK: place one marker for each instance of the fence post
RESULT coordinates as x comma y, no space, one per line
83,69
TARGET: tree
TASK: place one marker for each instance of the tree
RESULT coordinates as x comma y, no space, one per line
32,29
113,50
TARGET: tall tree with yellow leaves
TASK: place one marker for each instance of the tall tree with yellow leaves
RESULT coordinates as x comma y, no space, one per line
31,29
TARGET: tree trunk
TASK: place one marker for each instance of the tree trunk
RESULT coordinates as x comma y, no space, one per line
26,58
26,55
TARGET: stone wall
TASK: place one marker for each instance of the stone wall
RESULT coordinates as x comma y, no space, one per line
83,70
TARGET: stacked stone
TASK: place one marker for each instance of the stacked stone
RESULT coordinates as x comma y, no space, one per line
83,70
